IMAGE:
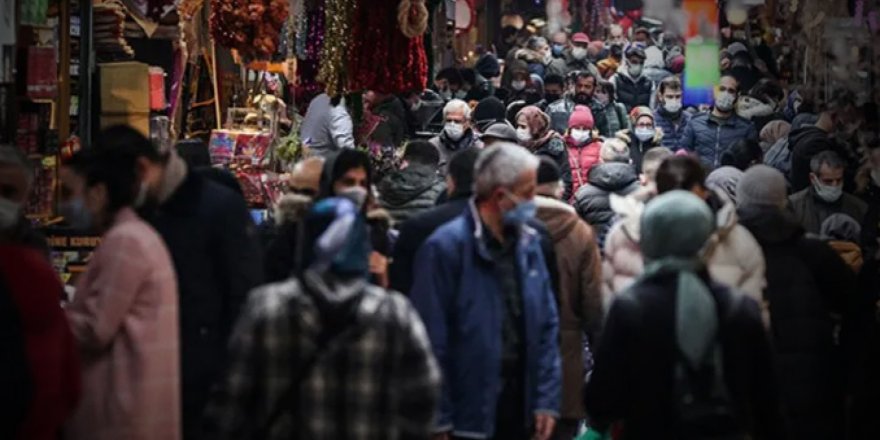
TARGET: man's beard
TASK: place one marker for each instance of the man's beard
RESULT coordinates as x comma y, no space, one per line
583,99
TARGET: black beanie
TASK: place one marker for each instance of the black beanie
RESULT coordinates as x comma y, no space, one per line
548,171
487,112
488,66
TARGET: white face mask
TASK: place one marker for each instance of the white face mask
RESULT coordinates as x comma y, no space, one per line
518,85
454,130
523,134
580,136
10,212
635,70
672,105
579,53
644,134
725,101
357,195
828,193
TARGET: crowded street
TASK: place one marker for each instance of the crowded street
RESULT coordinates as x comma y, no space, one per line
439,219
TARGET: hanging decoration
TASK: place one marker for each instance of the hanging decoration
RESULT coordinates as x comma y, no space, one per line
251,27
334,53
412,17
382,59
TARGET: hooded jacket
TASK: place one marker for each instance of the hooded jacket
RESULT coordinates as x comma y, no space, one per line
710,137
593,200
804,143
806,283
632,92
454,264
732,254
410,191
578,296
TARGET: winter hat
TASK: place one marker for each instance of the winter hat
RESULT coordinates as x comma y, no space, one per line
580,37
488,111
548,171
638,112
488,66
537,121
725,179
835,227
761,185
581,116
661,225
500,130
736,48
636,51
675,63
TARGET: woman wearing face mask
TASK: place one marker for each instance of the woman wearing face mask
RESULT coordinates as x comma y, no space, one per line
124,314
610,115
643,136
583,146
533,132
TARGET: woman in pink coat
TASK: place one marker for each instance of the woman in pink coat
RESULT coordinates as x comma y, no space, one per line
124,313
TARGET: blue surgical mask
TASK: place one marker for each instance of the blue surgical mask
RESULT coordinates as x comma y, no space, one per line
522,213
557,50
76,215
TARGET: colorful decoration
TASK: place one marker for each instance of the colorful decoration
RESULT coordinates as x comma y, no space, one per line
252,27
337,35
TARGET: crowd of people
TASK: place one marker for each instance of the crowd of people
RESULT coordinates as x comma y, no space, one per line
575,249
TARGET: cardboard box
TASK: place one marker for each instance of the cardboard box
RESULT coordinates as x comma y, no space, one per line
138,121
125,88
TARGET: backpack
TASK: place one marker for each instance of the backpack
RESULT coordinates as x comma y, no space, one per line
703,402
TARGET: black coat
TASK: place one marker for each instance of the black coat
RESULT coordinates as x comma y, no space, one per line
806,282
212,240
593,201
555,149
632,380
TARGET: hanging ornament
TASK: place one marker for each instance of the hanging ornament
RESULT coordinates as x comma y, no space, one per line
412,16
334,53
251,27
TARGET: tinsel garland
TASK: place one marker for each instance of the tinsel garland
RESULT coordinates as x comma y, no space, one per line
381,58
337,35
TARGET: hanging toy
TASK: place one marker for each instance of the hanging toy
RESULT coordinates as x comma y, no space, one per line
412,16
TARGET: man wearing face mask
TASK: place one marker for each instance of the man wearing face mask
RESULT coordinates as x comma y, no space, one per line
16,178
633,87
498,348
457,134
825,196
448,83
668,114
584,85
710,134
577,57
216,255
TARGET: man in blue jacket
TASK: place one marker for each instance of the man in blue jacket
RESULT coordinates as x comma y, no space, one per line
669,114
710,134
482,288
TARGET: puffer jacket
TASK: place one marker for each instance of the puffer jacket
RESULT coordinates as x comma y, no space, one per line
581,158
592,201
578,295
673,129
410,191
733,255
610,118
559,112
710,138
632,92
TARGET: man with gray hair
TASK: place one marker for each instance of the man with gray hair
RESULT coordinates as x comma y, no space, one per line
614,174
457,134
825,195
16,179
485,296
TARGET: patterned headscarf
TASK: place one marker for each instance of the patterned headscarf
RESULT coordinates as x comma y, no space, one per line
539,126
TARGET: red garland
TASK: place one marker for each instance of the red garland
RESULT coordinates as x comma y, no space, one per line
382,59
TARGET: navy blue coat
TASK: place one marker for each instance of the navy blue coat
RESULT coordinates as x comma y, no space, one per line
459,298
673,131
709,139
217,258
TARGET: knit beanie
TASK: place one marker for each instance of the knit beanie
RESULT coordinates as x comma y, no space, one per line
548,171
488,111
488,66
761,186
638,112
581,116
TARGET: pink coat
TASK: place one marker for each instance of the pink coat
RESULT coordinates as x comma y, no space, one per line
124,318
581,159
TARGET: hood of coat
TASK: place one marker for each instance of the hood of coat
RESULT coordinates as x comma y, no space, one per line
769,224
612,176
405,185
809,135
725,213
559,218
629,210
292,208
748,107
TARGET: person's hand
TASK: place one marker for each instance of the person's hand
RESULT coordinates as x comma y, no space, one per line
379,268
544,425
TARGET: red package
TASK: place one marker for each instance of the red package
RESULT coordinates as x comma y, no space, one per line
42,73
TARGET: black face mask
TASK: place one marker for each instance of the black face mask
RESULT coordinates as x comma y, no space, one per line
552,97
583,99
